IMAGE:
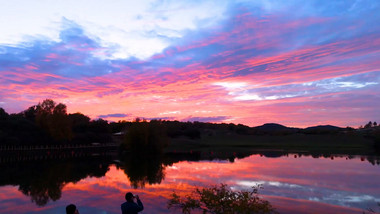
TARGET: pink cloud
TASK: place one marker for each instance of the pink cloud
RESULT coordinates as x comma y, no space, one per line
277,62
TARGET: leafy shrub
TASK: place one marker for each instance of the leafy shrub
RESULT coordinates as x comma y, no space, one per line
221,200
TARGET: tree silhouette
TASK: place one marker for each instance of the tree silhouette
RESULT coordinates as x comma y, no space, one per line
30,113
60,126
3,114
368,125
146,137
79,122
53,119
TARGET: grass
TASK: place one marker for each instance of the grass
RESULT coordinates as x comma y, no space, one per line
331,143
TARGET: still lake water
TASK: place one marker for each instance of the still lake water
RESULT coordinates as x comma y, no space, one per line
293,183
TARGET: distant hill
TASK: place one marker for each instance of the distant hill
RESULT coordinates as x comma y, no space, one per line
278,129
271,126
274,128
322,129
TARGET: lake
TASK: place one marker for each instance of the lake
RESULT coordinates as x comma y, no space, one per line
293,183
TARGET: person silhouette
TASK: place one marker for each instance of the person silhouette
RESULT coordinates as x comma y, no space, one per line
71,209
130,207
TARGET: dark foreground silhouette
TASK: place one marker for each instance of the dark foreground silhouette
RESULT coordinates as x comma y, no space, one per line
131,207
71,209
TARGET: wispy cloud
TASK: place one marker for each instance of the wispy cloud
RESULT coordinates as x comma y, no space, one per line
206,119
113,115
124,28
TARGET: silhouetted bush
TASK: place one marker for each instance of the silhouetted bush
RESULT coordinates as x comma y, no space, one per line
221,199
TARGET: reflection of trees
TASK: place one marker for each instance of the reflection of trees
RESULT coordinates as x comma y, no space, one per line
43,181
42,192
143,169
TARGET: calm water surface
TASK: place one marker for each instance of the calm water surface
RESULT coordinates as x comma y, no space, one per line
293,184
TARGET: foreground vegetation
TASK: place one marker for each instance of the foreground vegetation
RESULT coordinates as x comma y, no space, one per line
221,199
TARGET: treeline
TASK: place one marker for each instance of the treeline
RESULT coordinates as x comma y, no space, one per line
49,123
369,125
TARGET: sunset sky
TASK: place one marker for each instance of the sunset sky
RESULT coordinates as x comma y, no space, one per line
297,63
